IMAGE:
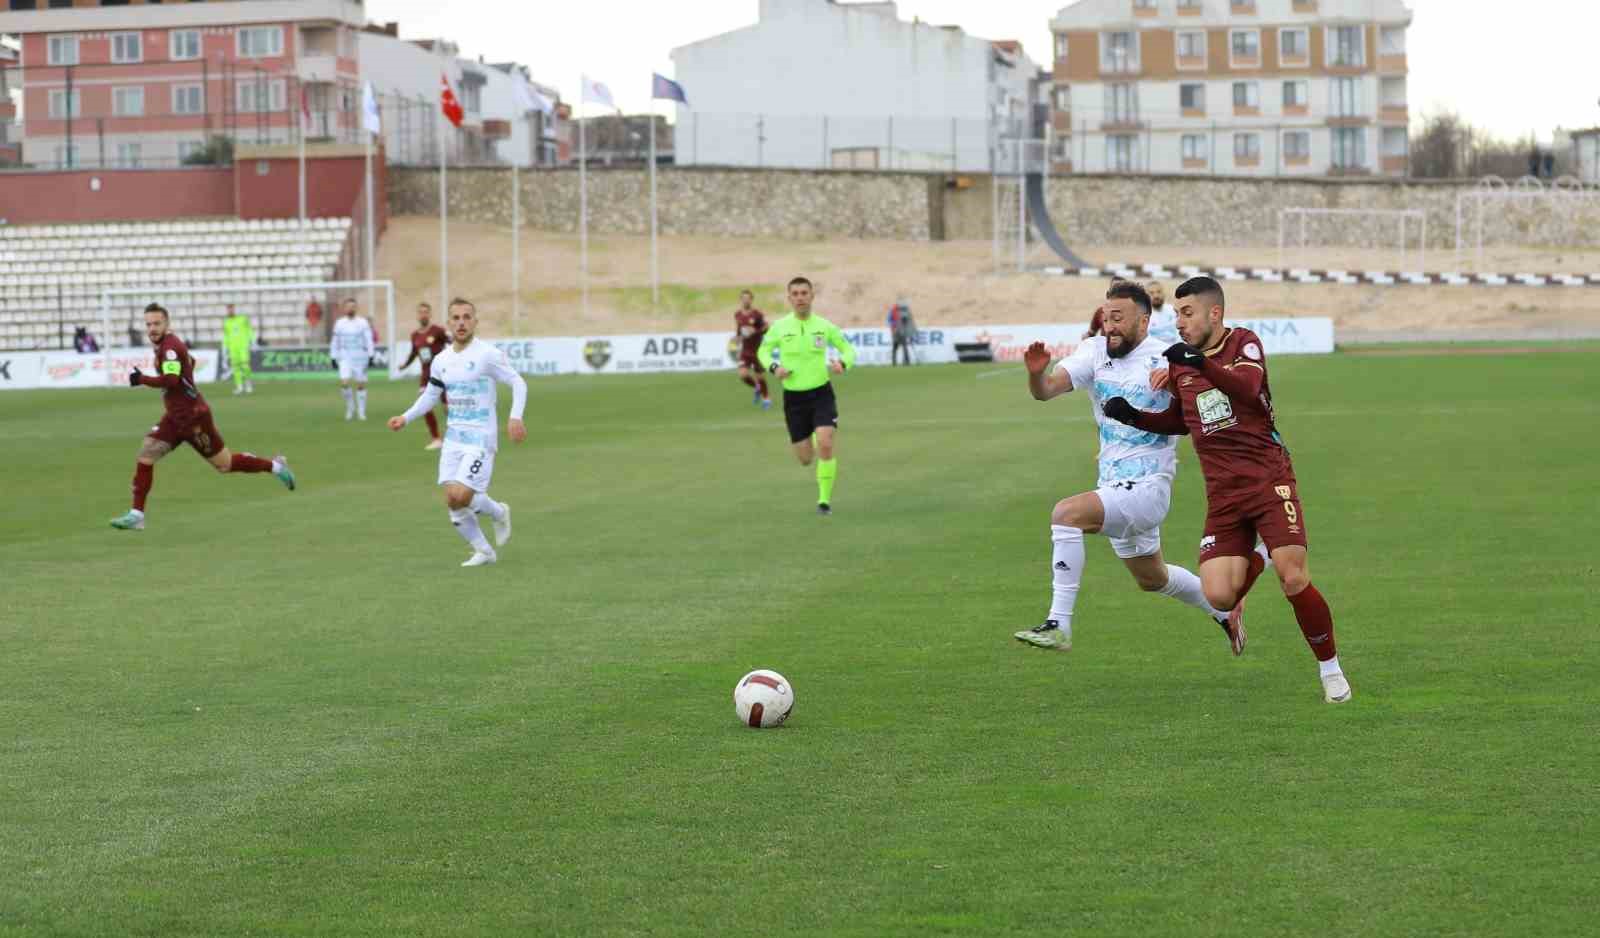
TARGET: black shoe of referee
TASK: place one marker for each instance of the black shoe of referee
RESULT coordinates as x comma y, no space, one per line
824,509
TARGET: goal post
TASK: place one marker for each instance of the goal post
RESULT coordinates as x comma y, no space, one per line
275,309
1379,218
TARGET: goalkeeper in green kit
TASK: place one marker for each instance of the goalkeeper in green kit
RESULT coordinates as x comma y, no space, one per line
795,349
237,337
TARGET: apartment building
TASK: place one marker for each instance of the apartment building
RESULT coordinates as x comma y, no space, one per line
1230,87
132,84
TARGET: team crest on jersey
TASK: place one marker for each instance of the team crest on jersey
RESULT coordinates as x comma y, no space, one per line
597,352
1216,411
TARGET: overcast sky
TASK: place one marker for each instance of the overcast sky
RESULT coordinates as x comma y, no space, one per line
1509,67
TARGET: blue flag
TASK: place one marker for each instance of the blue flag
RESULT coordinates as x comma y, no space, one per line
661,87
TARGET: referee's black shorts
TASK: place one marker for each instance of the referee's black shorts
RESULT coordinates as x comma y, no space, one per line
805,411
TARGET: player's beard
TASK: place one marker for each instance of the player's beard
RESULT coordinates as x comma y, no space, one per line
1122,348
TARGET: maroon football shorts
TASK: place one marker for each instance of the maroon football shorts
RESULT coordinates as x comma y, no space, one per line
1270,510
197,428
750,362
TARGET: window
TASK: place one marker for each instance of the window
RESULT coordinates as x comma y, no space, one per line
1294,43
256,42
1349,147
1344,97
1247,147
1393,92
1063,99
184,44
471,97
1346,46
1061,46
1245,43
67,157
59,105
188,148
261,96
1144,5
1297,145
188,99
1394,141
128,155
1061,149
126,47
1192,97
127,102
1119,52
1189,5
1194,147
1122,103
63,50
1296,94
1392,40
1246,94
1192,45
1121,152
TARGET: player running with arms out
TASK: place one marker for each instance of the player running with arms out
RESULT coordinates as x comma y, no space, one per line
427,341
1134,489
796,350
1221,399
187,419
749,326
467,371
351,348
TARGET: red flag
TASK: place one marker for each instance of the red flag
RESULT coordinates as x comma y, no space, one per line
448,102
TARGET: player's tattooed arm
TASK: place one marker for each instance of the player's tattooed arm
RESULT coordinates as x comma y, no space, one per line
1168,422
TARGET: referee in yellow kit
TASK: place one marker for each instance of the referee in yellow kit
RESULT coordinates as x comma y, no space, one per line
795,349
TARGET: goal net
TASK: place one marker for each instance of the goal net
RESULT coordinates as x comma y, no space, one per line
277,311
1352,238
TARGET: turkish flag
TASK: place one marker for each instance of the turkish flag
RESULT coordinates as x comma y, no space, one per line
449,104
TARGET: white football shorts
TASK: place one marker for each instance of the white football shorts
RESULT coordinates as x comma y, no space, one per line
1134,512
353,370
472,466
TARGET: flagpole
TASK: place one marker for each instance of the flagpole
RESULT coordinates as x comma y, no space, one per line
583,210
655,266
372,255
516,253
444,215
302,155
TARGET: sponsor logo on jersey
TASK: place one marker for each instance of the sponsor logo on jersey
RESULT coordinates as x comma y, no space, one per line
1252,351
1207,542
1216,411
171,354
597,352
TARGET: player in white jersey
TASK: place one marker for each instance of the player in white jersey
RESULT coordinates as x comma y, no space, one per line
1136,468
467,372
351,348
1163,318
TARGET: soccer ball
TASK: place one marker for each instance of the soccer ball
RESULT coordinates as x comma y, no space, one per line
763,699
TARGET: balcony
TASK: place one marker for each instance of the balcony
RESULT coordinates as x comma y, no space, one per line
1394,114
1247,161
1302,159
1061,121
1349,120
1121,67
1392,64
1193,8
1123,124
1242,7
1195,162
317,68
1305,6
1394,165
1296,110
1144,8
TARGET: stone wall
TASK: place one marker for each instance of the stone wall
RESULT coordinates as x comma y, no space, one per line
723,202
1123,210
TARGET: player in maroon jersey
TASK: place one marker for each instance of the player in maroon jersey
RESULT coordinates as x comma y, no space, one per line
1221,399
187,420
749,325
427,341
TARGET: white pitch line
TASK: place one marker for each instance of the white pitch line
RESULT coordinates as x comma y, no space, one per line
998,371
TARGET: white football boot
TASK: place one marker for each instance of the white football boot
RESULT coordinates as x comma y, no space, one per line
502,528
1335,689
479,559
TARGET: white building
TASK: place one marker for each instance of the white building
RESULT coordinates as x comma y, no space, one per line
498,125
1231,87
851,85
1586,154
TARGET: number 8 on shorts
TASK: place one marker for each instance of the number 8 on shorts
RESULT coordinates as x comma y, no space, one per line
466,465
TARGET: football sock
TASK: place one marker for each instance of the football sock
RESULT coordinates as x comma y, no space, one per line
1066,571
1185,588
1316,622
349,401
748,380
1257,564
245,462
761,385
143,477
466,524
827,471
238,378
361,402
1331,666
433,424
484,505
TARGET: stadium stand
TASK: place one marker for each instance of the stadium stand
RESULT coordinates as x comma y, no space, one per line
51,276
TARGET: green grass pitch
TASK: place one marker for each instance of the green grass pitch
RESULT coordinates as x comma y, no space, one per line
294,714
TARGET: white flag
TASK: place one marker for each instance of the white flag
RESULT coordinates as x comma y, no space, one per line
597,92
529,98
369,110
